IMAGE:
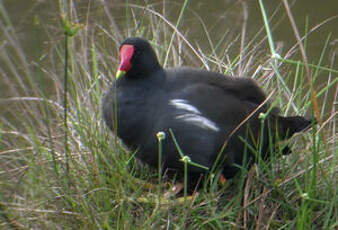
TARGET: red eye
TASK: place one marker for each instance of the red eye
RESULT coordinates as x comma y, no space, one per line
137,51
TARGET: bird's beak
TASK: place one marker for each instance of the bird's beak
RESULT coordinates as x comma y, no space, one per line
120,73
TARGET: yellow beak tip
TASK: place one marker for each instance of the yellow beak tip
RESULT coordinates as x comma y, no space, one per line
120,73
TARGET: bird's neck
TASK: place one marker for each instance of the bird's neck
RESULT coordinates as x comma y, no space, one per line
154,77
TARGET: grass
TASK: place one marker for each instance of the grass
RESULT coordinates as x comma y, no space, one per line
60,167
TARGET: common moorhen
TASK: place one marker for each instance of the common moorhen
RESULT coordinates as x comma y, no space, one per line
208,114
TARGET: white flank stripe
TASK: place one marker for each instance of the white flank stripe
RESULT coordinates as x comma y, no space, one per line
193,116
184,105
199,121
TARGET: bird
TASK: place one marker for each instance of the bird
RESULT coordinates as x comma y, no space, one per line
216,121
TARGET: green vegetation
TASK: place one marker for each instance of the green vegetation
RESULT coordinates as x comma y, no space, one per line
61,168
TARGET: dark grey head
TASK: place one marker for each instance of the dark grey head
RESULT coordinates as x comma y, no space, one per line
137,59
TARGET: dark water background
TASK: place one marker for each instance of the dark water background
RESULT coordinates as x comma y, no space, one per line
218,16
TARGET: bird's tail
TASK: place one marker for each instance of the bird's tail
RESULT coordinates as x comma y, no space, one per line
295,124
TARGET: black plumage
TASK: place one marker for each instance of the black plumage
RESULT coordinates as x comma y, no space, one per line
202,108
